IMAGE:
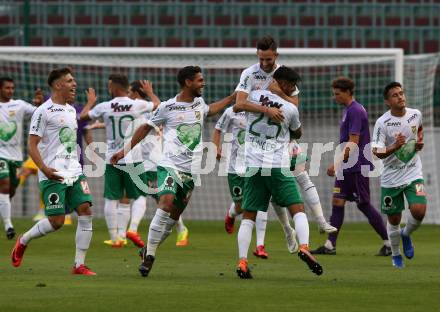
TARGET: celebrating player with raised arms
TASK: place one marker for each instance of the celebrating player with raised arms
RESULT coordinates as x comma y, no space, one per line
182,118
268,168
397,137
119,115
52,145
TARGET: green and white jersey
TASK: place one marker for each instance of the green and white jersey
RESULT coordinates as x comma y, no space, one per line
151,147
267,142
254,78
235,125
121,117
56,125
404,165
182,132
12,114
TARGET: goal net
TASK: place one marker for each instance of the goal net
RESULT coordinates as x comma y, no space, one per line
371,69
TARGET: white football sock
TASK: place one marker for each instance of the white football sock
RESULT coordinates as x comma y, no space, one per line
170,223
138,209
5,210
302,228
411,225
232,212
123,217
39,229
281,213
311,196
244,237
260,227
83,237
110,213
329,245
180,226
394,237
156,231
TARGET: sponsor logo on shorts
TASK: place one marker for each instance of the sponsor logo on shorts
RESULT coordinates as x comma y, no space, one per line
237,191
387,202
414,129
3,165
53,200
336,190
85,186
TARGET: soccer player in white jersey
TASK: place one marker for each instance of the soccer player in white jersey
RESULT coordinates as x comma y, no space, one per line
397,139
52,145
268,168
182,118
259,77
120,115
12,114
234,124
151,155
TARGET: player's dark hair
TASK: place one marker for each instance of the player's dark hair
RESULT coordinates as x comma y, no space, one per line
135,86
287,74
57,73
390,86
119,79
188,72
344,84
5,79
267,43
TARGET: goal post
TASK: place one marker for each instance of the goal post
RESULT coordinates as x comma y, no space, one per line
371,69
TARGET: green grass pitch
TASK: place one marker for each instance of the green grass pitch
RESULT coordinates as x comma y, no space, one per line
201,277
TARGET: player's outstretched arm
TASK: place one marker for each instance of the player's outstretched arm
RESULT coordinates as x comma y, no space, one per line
242,104
91,101
147,88
216,107
216,137
419,143
382,153
140,133
33,141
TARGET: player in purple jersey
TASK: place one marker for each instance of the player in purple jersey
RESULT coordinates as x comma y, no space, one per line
351,184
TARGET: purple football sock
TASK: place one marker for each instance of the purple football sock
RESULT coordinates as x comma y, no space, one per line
374,219
336,219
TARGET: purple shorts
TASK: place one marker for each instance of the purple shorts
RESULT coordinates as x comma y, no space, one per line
355,187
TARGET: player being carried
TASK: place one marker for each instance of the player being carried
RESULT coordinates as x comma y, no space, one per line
12,114
397,137
119,115
182,118
268,167
151,155
259,77
52,145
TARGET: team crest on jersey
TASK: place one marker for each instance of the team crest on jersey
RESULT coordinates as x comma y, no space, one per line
198,114
414,129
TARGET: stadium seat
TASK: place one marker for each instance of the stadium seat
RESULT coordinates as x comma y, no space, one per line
55,19
89,42
252,20
167,20
201,42
223,20
36,41
431,46
4,19
230,43
364,21
61,41
392,21
421,21
335,21
316,43
117,42
146,42
174,42
110,20
7,41
279,20
373,43
138,20
404,44
307,20
83,19
194,20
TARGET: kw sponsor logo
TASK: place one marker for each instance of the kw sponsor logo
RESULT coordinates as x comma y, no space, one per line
266,102
120,108
414,116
